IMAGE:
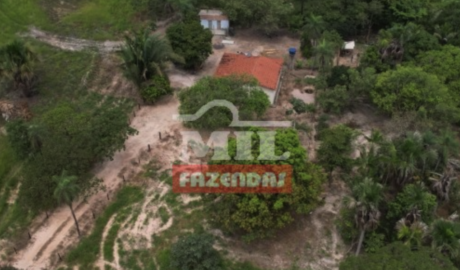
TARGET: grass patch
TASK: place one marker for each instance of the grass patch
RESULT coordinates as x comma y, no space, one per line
110,242
137,260
62,74
87,251
7,160
17,15
103,19
164,215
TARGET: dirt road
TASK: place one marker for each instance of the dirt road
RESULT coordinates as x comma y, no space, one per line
58,232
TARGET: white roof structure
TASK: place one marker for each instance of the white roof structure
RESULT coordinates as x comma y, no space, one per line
349,45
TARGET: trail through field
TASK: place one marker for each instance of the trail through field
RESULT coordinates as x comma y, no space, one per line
58,231
73,44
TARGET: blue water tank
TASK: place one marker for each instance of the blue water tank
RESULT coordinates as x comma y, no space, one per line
292,51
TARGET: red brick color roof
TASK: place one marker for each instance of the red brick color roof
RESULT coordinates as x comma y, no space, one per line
266,70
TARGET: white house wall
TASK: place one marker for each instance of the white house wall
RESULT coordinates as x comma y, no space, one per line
205,23
271,94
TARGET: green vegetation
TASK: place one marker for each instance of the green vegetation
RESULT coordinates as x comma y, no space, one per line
399,256
87,251
250,104
66,192
195,251
17,67
191,41
260,215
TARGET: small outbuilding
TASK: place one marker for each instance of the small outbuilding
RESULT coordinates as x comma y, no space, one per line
266,70
215,20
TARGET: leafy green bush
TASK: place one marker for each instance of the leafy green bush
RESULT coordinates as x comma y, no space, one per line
334,100
339,76
299,105
373,242
195,252
259,215
413,195
409,89
191,41
305,46
336,148
243,92
157,87
346,225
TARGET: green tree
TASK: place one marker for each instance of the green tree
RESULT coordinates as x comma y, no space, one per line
243,92
408,89
339,76
66,192
409,9
17,60
445,236
314,27
73,137
368,195
144,56
336,41
157,87
324,53
195,252
398,256
268,15
336,148
335,100
412,197
190,41
412,233
260,215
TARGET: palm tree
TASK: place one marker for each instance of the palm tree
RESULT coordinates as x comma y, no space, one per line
145,55
17,60
324,53
445,236
368,196
444,33
441,184
66,192
411,230
314,27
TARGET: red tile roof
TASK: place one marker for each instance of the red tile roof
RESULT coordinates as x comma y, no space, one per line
266,70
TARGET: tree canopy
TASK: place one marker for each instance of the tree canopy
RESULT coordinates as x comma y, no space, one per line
243,92
191,41
260,215
70,136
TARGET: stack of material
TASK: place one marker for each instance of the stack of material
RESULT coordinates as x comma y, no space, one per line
269,52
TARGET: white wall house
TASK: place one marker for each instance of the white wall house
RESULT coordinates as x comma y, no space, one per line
215,20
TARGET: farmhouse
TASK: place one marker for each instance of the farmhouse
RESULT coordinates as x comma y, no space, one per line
266,70
215,20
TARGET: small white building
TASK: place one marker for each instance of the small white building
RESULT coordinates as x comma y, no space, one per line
215,20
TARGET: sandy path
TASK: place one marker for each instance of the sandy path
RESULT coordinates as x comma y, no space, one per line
73,44
58,232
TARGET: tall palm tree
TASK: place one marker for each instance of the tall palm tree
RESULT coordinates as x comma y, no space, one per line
66,192
324,53
314,27
145,56
368,195
445,236
17,60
